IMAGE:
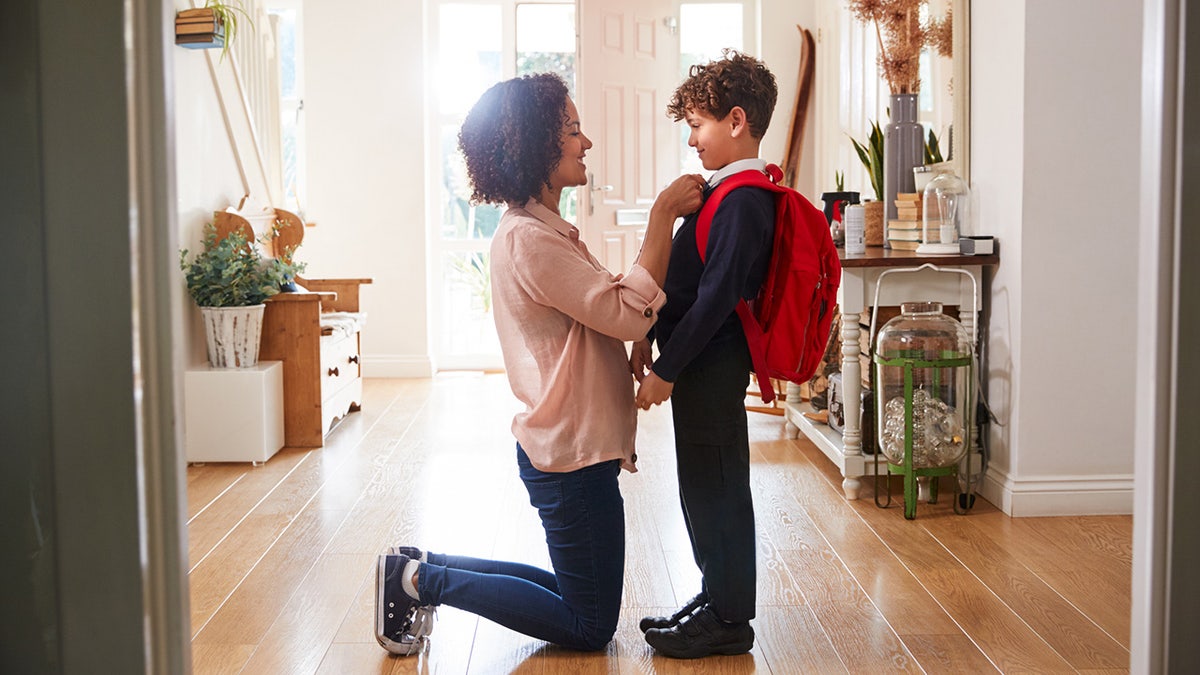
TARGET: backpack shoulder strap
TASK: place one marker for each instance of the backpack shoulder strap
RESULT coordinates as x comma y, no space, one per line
768,181
755,339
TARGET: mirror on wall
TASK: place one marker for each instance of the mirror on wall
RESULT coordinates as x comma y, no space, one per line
945,89
962,88
852,95
943,101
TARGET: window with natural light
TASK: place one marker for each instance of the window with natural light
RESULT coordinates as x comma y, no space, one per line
288,26
477,46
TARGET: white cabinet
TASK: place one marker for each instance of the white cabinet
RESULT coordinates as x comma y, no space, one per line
233,414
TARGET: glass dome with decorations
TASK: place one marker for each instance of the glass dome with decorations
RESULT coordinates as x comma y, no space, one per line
945,213
923,376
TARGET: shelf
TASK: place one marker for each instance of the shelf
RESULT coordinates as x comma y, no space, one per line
827,440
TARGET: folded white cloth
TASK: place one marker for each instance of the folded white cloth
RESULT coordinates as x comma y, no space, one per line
342,323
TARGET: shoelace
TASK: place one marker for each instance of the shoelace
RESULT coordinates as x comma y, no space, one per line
416,637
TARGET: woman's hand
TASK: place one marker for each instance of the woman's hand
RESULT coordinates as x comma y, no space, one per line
640,359
652,391
683,196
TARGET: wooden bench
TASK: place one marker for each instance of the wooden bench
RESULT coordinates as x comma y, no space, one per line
315,332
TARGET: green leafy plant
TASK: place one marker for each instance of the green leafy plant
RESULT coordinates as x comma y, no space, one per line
871,156
229,15
232,273
933,152
474,272
839,181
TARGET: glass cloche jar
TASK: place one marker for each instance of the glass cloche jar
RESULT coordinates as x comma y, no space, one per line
923,375
945,213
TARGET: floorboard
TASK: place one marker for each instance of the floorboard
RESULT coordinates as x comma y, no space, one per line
282,557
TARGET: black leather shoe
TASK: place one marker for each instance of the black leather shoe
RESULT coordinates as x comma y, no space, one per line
692,605
701,634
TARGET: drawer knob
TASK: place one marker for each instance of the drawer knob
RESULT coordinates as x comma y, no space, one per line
333,371
353,358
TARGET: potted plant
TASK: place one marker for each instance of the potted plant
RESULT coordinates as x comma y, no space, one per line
230,280
213,25
870,154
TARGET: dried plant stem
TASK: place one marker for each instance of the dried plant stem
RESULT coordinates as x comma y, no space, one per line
883,55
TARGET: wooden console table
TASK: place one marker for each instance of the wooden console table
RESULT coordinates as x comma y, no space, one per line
860,276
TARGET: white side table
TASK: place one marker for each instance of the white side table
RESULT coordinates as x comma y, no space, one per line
860,275
233,414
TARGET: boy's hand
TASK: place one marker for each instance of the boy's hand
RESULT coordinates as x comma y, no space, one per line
652,391
640,359
683,196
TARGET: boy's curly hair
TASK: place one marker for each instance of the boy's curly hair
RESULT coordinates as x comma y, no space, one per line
735,79
512,138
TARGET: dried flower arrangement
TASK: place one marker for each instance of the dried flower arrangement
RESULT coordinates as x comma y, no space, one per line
902,36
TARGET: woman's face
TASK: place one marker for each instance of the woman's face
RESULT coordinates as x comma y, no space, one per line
570,170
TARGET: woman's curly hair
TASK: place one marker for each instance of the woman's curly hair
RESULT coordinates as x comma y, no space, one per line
716,87
512,138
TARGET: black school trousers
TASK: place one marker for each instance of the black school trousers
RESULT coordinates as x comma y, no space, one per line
712,452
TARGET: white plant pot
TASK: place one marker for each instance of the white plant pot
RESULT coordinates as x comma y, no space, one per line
233,335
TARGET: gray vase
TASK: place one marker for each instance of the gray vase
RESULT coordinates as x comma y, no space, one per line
903,148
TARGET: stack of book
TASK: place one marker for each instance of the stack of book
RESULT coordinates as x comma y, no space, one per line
199,28
904,231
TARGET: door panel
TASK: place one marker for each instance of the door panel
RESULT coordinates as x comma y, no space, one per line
628,67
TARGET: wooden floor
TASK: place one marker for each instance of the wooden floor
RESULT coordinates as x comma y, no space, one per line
282,557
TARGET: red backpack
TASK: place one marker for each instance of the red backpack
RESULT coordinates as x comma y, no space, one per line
788,325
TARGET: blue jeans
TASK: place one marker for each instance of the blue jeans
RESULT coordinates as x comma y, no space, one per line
577,605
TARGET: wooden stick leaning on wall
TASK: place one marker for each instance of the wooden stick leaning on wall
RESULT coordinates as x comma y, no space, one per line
795,142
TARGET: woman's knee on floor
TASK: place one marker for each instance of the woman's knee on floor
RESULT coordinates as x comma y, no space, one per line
597,640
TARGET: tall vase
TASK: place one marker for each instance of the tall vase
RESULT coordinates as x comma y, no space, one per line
903,149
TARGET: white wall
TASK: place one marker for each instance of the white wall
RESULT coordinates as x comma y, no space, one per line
366,159
206,171
780,50
1055,129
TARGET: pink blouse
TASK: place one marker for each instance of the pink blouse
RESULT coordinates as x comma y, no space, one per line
562,320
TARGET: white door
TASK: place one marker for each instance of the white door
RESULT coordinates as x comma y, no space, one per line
632,55
628,67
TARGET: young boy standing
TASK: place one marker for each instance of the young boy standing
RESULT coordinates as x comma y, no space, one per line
704,363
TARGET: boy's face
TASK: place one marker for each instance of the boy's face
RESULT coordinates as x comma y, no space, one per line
713,139
570,170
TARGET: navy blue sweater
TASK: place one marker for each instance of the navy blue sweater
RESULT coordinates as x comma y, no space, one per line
701,296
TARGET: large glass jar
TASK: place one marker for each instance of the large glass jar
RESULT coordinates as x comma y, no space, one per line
923,375
945,213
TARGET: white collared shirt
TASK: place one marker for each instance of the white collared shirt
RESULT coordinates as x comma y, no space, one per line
736,167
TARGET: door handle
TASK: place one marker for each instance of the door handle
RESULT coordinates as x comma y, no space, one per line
592,187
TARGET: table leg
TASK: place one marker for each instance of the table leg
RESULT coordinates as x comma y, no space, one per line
851,397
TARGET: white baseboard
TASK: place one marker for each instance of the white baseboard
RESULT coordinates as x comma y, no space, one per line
1059,495
391,365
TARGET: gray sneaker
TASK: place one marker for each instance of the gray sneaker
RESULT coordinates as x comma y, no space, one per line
402,626
412,552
